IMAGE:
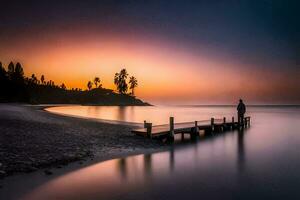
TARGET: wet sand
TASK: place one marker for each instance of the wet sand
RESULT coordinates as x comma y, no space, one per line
33,139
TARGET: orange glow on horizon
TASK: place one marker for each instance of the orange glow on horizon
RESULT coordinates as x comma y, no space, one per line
164,71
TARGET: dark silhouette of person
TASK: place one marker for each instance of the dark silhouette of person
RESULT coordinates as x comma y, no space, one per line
241,108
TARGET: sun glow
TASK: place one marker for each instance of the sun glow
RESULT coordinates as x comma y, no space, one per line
164,71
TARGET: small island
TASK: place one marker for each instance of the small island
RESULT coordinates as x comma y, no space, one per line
16,87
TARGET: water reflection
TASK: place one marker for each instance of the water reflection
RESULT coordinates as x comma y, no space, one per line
227,165
122,167
137,114
167,159
126,165
133,172
241,150
148,165
121,113
172,160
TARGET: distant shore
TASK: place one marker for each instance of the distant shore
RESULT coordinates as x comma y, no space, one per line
33,139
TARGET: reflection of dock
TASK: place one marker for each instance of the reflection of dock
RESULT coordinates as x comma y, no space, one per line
193,128
150,165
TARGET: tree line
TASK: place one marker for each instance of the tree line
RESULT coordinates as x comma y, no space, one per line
15,86
15,76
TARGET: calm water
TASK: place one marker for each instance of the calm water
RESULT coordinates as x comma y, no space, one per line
154,114
259,163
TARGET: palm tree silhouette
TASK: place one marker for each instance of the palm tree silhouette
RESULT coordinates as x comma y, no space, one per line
120,81
33,79
43,79
90,85
63,86
96,81
133,84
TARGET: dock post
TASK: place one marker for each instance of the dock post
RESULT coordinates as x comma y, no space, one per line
232,125
212,122
172,128
195,131
224,124
149,130
196,127
247,121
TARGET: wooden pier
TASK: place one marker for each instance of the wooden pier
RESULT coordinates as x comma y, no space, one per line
193,128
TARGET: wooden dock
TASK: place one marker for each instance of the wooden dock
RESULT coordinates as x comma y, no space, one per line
193,128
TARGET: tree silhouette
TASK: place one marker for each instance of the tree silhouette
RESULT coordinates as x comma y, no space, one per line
10,70
43,79
133,84
3,74
90,85
50,83
63,86
96,81
33,79
120,81
16,87
15,73
19,72
4,83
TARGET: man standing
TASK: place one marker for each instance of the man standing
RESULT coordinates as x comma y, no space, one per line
241,108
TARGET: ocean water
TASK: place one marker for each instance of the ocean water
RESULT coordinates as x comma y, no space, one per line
153,114
261,162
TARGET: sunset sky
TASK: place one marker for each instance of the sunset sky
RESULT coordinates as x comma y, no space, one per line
181,52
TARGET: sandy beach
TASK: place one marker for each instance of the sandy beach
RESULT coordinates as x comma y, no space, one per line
33,139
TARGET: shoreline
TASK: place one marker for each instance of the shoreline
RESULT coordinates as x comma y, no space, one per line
108,121
34,140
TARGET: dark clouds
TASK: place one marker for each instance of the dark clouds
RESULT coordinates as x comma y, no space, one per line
260,32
